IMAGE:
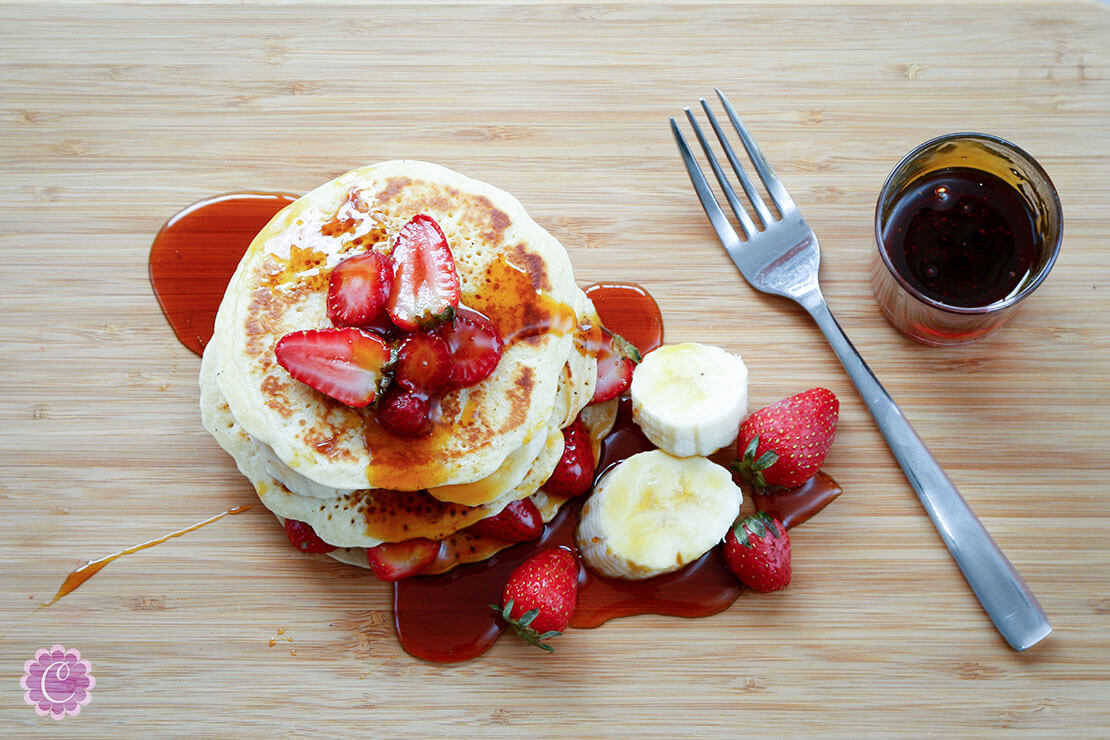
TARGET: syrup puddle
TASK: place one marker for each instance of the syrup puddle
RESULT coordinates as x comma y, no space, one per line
84,572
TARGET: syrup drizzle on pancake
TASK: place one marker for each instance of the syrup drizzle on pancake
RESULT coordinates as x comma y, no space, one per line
509,269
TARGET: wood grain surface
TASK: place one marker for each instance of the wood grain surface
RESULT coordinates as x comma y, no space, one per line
114,116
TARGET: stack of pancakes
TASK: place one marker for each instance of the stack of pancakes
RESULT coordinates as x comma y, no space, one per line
313,459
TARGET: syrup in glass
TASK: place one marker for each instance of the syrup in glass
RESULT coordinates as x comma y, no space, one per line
962,237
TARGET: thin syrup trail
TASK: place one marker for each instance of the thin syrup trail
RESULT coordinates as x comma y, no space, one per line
84,572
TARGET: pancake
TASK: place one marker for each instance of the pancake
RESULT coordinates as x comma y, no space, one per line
464,546
510,269
361,517
579,375
368,517
356,520
313,459
574,389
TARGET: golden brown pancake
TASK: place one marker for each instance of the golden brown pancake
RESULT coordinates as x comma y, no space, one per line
355,520
510,269
313,459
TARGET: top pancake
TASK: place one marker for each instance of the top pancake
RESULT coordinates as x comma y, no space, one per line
510,269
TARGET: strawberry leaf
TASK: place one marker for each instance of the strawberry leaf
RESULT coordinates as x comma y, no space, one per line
626,348
771,527
432,320
522,628
756,525
766,460
751,469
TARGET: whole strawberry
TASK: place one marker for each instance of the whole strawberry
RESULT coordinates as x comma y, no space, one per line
540,596
757,550
784,444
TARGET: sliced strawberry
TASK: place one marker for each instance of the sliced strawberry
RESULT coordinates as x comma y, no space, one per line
475,346
518,522
574,473
304,537
616,359
345,364
358,289
392,561
422,363
404,412
425,289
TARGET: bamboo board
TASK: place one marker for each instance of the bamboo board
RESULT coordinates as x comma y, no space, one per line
115,116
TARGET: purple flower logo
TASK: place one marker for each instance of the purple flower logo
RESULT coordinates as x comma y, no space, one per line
57,682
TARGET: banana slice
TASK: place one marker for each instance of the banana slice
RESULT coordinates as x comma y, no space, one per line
689,399
654,513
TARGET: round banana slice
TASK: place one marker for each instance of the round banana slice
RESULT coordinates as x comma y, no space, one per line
689,399
654,513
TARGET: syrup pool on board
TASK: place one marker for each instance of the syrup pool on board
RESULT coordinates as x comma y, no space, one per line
196,252
447,618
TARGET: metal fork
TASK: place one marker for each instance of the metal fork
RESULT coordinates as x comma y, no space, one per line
783,258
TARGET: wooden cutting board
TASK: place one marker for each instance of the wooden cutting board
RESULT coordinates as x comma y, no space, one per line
115,116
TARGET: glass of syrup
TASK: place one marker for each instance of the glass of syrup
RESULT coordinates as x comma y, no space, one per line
967,225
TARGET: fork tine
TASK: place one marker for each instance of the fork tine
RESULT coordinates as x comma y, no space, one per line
737,209
749,188
709,202
779,196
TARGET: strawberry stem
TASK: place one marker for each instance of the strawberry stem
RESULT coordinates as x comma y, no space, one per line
522,628
432,320
626,348
751,469
757,524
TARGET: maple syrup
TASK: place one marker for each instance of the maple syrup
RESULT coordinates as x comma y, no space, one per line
78,576
962,237
196,252
515,308
793,506
630,311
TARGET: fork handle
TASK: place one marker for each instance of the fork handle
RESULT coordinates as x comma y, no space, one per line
1000,589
